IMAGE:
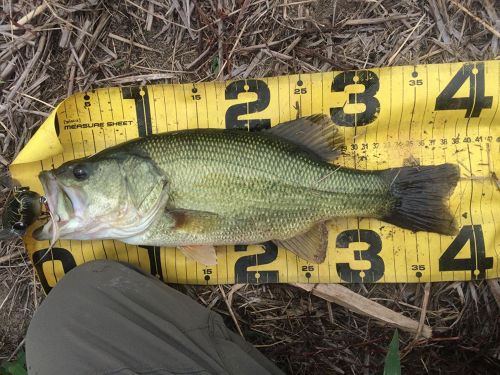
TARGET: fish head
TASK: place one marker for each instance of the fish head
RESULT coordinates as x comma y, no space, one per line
97,198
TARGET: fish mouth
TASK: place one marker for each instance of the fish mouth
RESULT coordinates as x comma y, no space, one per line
64,204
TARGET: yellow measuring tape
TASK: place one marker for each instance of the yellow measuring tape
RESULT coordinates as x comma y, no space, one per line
425,114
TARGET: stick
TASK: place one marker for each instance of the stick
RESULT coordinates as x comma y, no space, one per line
495,289
124,40
8,257
231,311
476,18
439,22
345,297
423,312
404,42
29,16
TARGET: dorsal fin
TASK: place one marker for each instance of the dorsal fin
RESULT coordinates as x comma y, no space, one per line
317,133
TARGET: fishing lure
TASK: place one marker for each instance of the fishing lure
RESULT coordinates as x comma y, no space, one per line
22,208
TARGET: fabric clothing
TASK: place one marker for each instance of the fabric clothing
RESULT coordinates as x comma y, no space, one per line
106,318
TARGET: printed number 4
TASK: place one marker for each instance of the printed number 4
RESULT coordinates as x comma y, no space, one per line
477,263
476,101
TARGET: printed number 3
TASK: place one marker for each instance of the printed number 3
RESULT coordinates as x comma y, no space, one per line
377,267
372,105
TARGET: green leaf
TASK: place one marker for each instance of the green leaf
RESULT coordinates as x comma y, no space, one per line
392,362
215,64
16,367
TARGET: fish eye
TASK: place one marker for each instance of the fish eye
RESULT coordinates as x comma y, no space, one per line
80,172
19,225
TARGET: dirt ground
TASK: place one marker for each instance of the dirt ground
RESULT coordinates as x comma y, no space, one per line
63,47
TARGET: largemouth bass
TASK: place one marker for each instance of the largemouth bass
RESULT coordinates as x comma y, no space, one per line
196,189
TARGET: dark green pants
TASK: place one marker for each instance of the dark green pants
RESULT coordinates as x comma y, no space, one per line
106,318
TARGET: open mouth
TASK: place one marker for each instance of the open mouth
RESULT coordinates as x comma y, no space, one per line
61,202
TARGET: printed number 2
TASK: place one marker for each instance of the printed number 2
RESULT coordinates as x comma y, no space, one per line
372,105
242,264
476,101
478,263
233,90
377,267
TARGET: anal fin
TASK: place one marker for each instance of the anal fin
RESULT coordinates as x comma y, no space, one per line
310,245
204,254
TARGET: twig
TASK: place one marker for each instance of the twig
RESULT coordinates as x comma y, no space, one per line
220,30
406,39
439,22
373,21
232,49
149,17
124,40
8,257
423,312
137,78
231,311
34,60
345,297
29,16
494,286
476,18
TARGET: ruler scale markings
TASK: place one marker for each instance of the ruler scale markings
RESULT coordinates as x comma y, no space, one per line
116,251
387,140
165,109
71,145
493,187
165,268
402,112
493,182
206,104
425,162
81,250
434,156
98,103
175,266
76,104
472,84
93,251
409,136
421,123
154,117
104,250
175,107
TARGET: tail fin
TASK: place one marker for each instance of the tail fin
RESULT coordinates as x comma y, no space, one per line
421,197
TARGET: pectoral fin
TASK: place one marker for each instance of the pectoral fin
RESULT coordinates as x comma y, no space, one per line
310,245
194,221
204,254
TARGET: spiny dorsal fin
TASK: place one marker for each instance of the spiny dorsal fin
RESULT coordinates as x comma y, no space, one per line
310,246
317,133
204,254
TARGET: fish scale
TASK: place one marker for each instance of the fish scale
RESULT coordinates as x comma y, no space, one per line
271,189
